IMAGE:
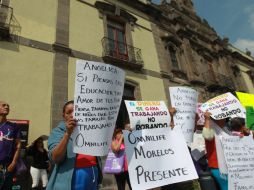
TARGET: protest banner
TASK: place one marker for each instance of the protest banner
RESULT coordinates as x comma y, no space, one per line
153,158
201,117
239,155
247,100
224,106
97,99
250,117
184,100
147,114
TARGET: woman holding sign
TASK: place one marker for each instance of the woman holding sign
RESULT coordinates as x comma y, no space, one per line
72,171
235,126
117,146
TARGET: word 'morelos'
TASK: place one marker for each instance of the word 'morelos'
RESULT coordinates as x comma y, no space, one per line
158,175
140,152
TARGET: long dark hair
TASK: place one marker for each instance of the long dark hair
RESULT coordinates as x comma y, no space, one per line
34,145
66,104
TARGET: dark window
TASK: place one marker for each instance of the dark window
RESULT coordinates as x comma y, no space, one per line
123,117
117,40
172,54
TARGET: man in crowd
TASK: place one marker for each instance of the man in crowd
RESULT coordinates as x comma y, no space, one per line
9,147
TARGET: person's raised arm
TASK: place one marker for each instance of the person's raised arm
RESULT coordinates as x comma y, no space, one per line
207,132
59,152
172,112
207,116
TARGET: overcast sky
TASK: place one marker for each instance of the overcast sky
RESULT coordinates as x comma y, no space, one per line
230,18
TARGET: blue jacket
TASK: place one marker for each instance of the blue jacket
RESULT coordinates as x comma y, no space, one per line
61,176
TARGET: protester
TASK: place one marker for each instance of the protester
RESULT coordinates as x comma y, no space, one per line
72,171
40,163
10,146
234,127
117,146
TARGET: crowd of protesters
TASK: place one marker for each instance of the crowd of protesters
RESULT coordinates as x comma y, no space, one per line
83,172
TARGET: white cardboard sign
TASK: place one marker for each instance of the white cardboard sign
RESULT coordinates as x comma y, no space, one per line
239,154
184,99
147,114
157,157
224,106
97,99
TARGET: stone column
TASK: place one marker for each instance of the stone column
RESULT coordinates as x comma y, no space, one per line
61,59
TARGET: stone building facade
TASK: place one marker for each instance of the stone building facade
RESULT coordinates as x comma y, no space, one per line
191,53
158,46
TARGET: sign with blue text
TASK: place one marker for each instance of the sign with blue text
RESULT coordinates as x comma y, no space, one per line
157,157
224,106
239,156
147,114
184,100
98,95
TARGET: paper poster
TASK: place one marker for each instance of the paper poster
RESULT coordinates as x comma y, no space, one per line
148,114
184,100
157,157
246,99
98,94
250,117
224,106
239,154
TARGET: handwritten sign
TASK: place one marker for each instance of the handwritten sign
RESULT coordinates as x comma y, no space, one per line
153,158
184,99
97,99
239,154
224,106
148,114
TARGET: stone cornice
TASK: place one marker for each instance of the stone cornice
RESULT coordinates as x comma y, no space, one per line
238,56
108,8
148,9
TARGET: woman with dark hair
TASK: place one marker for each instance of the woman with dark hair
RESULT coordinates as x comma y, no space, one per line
117,146
72,171
40,163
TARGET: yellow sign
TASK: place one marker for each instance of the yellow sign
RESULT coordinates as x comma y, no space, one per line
246,99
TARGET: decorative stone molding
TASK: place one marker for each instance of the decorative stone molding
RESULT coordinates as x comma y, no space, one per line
113,10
